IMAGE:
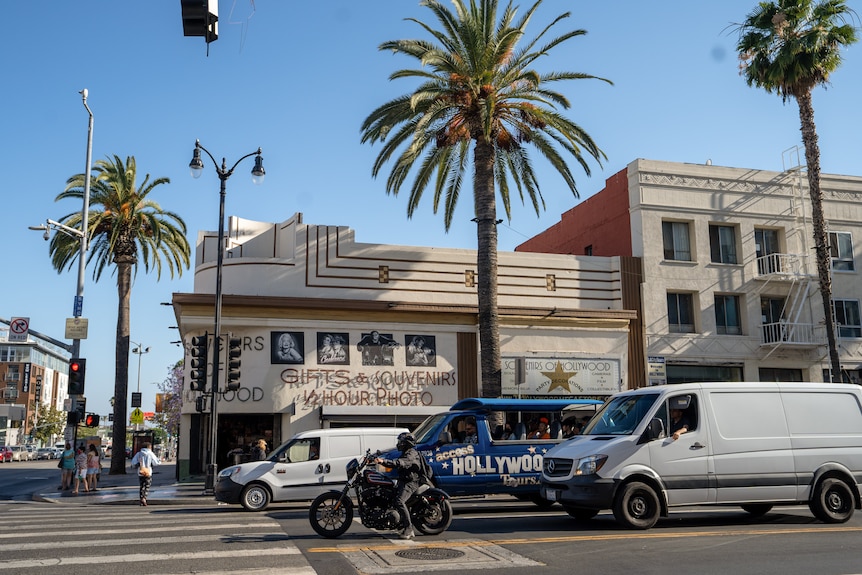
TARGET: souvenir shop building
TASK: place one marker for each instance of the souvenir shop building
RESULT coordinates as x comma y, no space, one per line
340,333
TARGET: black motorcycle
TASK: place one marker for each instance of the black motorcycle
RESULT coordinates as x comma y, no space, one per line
331,513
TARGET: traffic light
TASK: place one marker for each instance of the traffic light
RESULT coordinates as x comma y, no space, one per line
198,371
80,409
92,420
77,371
234,351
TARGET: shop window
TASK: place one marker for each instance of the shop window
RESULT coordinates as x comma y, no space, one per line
677,242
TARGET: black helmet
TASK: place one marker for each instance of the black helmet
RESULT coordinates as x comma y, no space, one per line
405,441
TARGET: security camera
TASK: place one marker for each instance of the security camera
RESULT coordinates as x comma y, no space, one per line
46,236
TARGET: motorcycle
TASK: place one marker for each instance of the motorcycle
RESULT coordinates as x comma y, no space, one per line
331,513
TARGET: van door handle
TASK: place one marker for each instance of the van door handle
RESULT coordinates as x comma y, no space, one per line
319,468
697,445
327,468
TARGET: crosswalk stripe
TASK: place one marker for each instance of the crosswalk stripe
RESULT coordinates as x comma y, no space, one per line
137,540
135,529
147,557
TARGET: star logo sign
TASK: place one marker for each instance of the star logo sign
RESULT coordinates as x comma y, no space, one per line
559,378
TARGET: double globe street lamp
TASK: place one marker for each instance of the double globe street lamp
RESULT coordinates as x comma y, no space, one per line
257,173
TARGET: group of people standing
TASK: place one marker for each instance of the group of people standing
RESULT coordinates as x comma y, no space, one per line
80,467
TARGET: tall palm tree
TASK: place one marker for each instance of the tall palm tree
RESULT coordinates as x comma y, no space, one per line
789,47
124,227
477,85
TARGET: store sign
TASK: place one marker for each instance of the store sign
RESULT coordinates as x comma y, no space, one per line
656,370
561,377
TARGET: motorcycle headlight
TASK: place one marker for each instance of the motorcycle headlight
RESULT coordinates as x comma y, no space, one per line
229,471
590,465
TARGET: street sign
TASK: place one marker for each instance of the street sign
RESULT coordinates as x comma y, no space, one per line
19,328
137,416
76,328
136,399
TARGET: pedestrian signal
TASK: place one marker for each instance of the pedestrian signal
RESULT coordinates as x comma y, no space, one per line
92,420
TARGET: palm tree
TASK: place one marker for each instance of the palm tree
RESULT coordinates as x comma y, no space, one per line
789,47
124,228
477,86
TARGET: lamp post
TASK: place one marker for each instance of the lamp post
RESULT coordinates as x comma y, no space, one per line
257,172
140,350
78,306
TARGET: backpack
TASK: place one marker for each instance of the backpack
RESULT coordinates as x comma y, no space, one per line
426,472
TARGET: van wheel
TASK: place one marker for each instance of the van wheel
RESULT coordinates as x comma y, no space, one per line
255,498
832,501
581,513
637,506
757,509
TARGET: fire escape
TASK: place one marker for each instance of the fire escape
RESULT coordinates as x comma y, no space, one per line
793,275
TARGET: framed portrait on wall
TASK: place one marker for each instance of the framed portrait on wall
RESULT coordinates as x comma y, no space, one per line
377,348
421,350
332,348
287,347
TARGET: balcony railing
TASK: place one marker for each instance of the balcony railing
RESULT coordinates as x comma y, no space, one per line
10,394
10,376
795,334
781,265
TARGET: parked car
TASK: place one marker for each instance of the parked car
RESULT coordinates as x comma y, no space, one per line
19,453
32,452
45,453
5,454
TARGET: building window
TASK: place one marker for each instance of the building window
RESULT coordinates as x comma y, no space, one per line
847,317
588,251
780,374
677,245
767,244
680,313
727,315
841,249
722,244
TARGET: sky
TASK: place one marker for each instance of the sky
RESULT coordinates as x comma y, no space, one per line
297,79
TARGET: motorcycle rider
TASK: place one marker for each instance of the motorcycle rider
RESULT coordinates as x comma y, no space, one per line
409,467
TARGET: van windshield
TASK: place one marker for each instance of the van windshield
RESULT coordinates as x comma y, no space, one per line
424,433
621,415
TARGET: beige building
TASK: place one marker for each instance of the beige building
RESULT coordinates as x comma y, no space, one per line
336,332
730,287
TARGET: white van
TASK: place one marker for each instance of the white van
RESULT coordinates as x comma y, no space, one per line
749,444
310,463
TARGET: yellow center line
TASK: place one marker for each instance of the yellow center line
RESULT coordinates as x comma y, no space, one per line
570,538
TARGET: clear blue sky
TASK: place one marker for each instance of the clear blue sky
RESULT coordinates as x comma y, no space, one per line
297,79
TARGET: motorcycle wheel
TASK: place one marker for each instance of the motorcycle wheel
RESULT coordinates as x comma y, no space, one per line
435,518
328,517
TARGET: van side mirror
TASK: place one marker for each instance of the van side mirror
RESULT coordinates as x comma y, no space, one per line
655,429
444,438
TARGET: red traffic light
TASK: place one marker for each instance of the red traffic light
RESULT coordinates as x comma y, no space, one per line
75,367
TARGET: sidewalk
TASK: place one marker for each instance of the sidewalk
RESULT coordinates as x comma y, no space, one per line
123,490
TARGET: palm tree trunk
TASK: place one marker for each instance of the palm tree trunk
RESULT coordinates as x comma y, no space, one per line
486,264
121,369
821,242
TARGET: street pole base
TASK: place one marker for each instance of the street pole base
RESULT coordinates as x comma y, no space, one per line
209,480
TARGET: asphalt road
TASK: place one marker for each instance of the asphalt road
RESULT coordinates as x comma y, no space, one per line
499,534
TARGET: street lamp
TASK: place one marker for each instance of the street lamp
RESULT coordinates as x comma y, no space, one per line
78,307
196,166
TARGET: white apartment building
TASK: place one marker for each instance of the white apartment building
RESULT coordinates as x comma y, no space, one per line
730,289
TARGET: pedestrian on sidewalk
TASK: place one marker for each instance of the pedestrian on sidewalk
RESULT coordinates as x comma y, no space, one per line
144,461
67,467
80,470
258,452
93,465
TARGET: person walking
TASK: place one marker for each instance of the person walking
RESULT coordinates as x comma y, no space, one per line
80,470
67,467
144,461
409,467
93,466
